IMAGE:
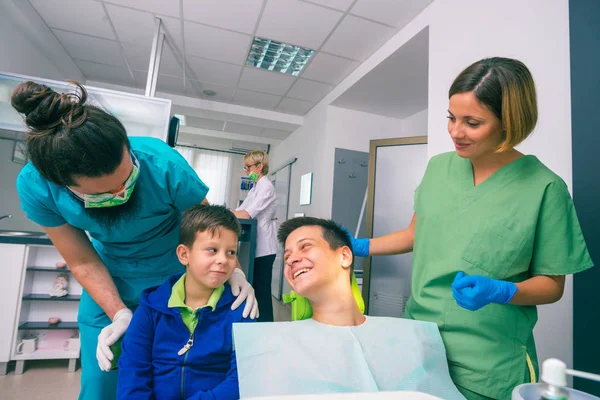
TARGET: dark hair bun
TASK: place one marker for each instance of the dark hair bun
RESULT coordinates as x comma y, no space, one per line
45,109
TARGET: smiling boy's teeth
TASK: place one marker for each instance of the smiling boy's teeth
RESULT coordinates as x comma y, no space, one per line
300,271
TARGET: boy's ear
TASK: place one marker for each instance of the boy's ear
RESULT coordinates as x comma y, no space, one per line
183,254
345,257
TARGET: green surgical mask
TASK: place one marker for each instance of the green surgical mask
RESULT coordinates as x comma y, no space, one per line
253,176
102,200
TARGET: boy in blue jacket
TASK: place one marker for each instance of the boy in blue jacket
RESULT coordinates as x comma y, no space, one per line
179,342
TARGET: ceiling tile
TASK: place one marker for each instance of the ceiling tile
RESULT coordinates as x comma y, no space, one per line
105,73
165,83
222,46
341,5
169,63
195,88
80,16
237,15
395,13
164,7
213,71
298,23
172,29
89,48
309,90
329,68
133,26
204,123
255,99
357,38
293,106
170,84
140,78
275,133
245,129
139,59
265,81
139,27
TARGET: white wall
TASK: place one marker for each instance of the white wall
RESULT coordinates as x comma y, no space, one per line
353,130
416,124
307,143
10,203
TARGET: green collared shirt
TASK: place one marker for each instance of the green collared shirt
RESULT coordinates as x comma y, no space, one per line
177,299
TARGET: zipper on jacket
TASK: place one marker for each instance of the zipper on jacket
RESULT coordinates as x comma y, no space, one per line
182,380
187,346
185,350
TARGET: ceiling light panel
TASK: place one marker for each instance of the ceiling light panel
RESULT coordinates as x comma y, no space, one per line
278,56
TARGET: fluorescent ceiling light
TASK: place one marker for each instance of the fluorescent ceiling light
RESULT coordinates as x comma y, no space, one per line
277,56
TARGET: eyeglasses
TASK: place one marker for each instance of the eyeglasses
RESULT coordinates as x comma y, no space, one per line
247,167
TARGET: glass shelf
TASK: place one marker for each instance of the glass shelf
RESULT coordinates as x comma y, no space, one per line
48,269
46,297
46,325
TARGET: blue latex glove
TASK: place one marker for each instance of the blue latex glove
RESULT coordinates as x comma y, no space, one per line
360,247
474,292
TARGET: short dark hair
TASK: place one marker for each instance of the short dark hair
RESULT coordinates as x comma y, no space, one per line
333,234
505,86
68,138
206,218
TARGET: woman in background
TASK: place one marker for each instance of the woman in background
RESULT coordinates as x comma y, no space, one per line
260,204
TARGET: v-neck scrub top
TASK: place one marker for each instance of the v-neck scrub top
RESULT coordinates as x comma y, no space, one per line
518,223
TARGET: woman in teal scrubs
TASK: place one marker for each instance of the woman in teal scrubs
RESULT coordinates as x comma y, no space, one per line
86,175
493,235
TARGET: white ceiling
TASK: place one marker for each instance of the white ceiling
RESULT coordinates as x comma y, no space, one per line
208,41
397,87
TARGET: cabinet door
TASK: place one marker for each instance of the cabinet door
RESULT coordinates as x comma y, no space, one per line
12,256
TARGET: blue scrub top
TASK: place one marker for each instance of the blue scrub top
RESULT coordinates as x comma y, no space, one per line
166,186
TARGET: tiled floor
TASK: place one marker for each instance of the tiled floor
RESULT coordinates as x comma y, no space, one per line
51,380
41,380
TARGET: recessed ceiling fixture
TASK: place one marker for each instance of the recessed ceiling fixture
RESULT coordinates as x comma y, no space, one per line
208,92
277,56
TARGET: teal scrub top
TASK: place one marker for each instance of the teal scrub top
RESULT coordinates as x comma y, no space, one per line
166,186
517,223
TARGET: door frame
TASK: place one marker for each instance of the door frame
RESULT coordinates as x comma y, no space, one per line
374,145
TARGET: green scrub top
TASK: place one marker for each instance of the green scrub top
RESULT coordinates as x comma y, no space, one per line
517,223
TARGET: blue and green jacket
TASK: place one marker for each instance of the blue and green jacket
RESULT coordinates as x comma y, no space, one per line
153,364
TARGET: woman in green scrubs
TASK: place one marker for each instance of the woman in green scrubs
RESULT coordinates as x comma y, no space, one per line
494,234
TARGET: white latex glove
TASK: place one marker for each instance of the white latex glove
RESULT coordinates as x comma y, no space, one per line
109,336
244,291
